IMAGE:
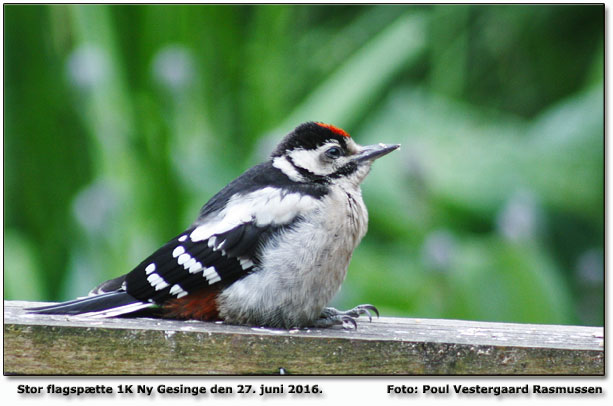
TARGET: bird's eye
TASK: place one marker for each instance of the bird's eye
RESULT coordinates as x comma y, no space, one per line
334,152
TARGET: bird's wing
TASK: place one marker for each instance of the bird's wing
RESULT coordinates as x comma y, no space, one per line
219,249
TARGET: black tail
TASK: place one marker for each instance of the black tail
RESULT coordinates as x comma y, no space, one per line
104,305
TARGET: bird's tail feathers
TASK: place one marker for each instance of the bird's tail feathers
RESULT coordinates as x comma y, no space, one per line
99,306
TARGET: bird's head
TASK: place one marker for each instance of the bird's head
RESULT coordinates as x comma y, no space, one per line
318,152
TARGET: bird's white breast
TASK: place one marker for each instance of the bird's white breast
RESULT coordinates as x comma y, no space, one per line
303,267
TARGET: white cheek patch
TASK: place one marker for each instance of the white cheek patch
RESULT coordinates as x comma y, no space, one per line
267,206
287,168
309,160
353,147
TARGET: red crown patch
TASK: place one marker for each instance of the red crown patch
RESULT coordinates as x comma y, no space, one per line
334,129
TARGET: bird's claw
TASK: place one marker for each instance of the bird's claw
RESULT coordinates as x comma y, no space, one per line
331,316
363,309
349,322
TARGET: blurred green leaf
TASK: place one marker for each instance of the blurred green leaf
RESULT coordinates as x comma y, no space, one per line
343,96
508,282
23,280
565,154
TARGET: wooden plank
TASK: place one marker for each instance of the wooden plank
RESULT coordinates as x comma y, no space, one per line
43,344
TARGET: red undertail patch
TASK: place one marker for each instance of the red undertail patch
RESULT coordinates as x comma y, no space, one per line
200,305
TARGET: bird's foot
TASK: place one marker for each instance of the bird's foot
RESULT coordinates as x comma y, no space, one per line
331,316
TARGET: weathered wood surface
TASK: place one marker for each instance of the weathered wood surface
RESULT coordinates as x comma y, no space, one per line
41,344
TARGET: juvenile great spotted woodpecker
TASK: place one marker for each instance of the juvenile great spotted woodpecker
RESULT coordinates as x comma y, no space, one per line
270,249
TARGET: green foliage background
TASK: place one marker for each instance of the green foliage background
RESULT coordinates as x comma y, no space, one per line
121,121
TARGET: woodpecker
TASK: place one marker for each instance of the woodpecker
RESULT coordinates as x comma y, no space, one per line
270,249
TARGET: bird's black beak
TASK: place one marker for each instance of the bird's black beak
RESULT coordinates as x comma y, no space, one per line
372,152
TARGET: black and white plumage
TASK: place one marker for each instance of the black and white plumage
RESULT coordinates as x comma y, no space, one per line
270,249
